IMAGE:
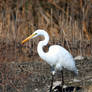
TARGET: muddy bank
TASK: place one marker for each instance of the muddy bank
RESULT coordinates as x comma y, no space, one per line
34,76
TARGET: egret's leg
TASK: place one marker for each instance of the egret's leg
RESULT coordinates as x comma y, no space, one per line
62,78
52,73
51,83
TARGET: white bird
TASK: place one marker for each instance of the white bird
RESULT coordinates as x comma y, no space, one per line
57,57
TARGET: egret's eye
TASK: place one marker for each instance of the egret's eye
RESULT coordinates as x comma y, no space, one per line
35,33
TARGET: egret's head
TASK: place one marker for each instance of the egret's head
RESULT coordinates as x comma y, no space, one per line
35,34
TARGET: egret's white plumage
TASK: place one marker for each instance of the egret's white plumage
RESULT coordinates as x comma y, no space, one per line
57,56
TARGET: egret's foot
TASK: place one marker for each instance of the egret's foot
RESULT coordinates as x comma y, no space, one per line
58,88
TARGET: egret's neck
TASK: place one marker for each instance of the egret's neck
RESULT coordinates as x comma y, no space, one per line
41,44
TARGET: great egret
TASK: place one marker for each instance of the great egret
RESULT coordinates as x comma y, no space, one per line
57,57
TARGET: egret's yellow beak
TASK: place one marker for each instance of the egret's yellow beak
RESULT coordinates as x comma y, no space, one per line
28,38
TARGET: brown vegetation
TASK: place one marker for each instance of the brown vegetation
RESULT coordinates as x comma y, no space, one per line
66,21
23,17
